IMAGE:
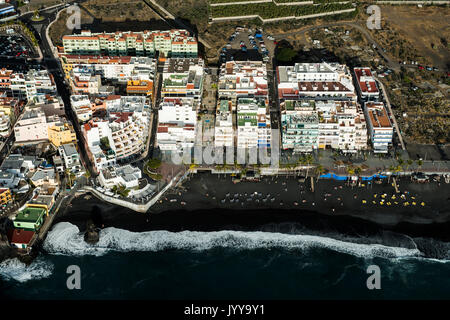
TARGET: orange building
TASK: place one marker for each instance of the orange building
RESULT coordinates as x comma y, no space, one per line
140,87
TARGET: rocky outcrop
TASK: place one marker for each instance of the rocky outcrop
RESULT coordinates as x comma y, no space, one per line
6,251
92,234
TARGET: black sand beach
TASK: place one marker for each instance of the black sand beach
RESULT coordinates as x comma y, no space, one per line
205,210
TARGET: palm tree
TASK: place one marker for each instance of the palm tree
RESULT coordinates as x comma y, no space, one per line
69,176
308,159
319,171
350,170
410,162
419,164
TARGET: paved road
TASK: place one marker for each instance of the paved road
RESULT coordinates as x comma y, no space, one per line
394,120
54,67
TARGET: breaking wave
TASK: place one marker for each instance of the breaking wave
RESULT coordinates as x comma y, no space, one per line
66,239
14,269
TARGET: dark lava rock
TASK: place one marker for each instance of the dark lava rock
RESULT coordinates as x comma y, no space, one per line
92,233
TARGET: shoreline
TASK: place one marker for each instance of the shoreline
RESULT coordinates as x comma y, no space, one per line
266,220
334,209
430,239
205,211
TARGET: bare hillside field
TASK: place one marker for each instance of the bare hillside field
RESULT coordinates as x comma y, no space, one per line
426,30
195,13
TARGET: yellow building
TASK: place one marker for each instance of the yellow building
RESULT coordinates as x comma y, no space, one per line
5,196
5,109
61,133
38,206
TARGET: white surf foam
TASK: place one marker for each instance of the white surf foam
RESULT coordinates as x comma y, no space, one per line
14,269
66,239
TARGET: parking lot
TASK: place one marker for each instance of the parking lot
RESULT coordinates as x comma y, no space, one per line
14,46
248,44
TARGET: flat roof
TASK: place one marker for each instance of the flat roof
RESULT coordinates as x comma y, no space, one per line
30,214
378,115
365,80
20,236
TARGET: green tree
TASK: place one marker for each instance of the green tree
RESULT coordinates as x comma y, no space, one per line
319,171
104,144
285,54
409,162
153,163
419,164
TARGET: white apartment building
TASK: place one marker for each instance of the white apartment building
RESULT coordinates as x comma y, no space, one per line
379,126
50,104
183,78
223,130
309,124
5,124
32,83
170,43
342,126
93,132
299,125
120,69
127,176
253,123
367,86
70,157
31,126
83,80
81,105
177,123
242,79
318,81
319,108
243,107
121,133
129,127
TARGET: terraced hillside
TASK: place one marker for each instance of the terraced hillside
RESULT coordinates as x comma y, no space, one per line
273,10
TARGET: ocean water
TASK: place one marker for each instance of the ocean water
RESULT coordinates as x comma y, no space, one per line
220,265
